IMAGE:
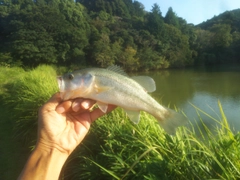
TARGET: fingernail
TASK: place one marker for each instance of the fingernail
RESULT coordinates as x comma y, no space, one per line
60,110
75,106
85,104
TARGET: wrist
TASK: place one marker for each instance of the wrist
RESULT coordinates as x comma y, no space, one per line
51,147
45,162
51,152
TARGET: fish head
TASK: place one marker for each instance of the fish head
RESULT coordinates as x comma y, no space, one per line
74,84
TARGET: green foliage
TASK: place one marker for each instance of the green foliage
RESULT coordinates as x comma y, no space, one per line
39,33
115,148
137,9
21,95
177,52
128,60
113,7
155,21
25,95
223,29
8,75
152,60
122,150
10,152
171,18
102,51
89,33
222,37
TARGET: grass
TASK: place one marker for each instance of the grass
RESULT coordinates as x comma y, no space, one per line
8,163
21,94
122,150
114,148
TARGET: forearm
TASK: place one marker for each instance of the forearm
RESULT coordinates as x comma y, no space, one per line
43,164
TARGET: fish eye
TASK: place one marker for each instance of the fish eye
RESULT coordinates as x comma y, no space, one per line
70,76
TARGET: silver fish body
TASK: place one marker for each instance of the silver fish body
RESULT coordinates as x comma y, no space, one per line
113,86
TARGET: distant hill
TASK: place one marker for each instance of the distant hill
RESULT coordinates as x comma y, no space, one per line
231,18
106,32
220,38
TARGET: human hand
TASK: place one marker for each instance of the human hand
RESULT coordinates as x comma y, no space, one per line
63,125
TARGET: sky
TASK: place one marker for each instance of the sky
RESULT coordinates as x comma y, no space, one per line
193,11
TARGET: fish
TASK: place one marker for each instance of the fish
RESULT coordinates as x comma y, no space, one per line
113,86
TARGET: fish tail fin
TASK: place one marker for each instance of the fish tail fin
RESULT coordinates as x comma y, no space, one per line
171,120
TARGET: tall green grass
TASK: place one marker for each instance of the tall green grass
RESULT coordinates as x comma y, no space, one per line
8,75
115,148
21,95
25,95
7,145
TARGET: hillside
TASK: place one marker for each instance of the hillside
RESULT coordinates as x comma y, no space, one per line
231,18
106,32
223,32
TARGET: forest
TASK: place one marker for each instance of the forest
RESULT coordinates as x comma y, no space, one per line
105,32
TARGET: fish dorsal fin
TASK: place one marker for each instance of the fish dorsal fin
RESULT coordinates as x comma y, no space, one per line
117,69
146,82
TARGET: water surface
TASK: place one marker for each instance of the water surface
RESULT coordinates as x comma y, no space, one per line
203,87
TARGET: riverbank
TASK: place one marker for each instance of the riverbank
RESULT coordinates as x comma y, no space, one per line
115,148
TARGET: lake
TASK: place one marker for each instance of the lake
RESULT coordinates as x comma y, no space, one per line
202,87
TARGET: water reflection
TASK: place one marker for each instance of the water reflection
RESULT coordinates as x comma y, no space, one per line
202,87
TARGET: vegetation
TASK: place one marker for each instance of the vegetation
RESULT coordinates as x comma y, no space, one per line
101,33
104,32
127,151
223,33
20,98
115,148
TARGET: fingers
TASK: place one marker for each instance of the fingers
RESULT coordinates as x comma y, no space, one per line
52,103
75,105
82,104
64,107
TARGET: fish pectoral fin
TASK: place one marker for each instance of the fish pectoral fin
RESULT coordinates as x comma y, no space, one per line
102,106
100,89
134,116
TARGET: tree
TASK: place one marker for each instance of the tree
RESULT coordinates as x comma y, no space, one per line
155,22
222,37
235,46
128,60
4,13
105,32
113,7
102,52
171,18
151,60
52,32
138,9
178,52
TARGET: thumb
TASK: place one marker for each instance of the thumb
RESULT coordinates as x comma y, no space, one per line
52,103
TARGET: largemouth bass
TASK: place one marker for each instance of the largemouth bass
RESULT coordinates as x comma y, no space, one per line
114,86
